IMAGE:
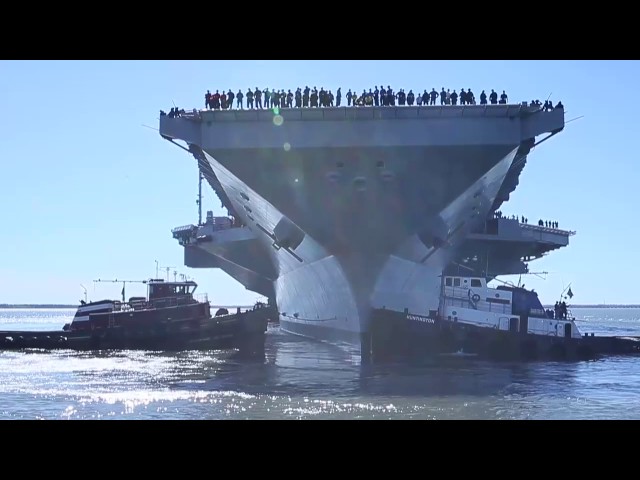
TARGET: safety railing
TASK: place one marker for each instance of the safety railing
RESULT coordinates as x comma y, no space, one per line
163,302
538,228
184,229
356,112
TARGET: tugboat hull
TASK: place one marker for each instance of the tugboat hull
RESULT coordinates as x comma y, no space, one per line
398,335
156,331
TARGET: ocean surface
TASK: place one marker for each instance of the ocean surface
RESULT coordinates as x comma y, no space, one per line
304,379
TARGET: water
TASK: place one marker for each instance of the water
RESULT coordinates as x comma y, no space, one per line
302,379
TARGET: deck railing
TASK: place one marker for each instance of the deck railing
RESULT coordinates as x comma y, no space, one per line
161,302
538,228
358,112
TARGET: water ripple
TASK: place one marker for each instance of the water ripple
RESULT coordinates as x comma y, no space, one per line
301,379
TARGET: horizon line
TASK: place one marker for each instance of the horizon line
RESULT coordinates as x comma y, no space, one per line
66,305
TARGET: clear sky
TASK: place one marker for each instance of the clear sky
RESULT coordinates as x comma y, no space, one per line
87,192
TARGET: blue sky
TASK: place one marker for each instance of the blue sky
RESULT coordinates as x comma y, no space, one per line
87,192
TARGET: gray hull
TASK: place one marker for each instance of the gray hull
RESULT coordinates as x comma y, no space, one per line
357,209
344,246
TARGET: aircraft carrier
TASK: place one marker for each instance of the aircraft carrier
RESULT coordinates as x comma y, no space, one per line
342,210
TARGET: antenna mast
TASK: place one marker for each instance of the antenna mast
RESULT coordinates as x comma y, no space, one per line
199,200
167,270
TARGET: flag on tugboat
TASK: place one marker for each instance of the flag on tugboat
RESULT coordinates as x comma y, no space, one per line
570,293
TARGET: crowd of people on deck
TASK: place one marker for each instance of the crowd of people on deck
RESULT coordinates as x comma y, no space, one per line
312,98
523,219
173,113
257,99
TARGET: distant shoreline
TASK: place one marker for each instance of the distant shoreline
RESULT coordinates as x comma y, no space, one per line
599,305
44,305
52,305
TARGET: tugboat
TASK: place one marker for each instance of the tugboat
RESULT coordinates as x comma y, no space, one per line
502,323
168,318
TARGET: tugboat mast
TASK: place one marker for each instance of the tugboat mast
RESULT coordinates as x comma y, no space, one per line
85,293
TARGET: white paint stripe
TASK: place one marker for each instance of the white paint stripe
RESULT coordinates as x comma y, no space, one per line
95,308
